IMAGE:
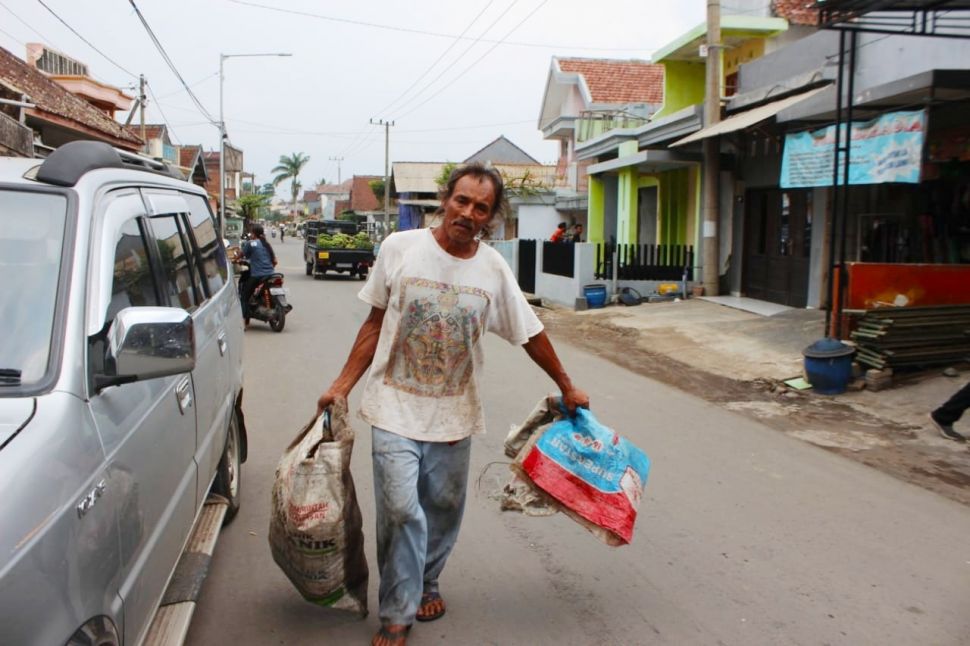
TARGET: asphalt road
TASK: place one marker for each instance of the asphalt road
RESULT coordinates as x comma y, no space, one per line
745,536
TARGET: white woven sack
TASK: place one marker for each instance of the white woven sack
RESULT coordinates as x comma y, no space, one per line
315,530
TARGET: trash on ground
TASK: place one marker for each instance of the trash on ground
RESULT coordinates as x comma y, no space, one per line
315,530
798,383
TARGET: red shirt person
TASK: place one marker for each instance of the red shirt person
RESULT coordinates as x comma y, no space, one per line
559,234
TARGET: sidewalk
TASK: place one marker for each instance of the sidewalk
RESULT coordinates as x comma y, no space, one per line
739,359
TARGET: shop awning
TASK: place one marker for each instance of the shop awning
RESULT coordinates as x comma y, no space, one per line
747,118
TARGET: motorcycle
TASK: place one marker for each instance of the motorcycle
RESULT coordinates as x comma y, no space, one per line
268,302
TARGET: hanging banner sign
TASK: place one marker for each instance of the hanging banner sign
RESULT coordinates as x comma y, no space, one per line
886,149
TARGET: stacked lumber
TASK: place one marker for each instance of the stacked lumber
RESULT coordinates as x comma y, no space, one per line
913,336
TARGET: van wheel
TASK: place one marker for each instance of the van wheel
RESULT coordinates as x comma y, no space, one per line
99,630
229,473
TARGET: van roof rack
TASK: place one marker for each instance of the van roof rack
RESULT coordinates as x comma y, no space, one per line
66,165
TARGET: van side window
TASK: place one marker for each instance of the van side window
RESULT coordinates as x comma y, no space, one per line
215,267
178,271
133,284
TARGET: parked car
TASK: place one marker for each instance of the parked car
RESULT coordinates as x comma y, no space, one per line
120,390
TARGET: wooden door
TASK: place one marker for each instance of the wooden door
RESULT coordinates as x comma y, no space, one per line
777,246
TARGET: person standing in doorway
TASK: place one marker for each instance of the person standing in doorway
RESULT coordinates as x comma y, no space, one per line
433,294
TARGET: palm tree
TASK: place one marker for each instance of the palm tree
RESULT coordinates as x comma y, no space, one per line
289,168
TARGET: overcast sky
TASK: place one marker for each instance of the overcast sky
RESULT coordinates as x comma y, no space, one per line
352,62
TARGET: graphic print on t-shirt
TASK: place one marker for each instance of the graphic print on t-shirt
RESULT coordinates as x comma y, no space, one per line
432,351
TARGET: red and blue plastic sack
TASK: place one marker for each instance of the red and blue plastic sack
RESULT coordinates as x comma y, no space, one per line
594,474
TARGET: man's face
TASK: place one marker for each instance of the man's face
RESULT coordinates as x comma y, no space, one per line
468,209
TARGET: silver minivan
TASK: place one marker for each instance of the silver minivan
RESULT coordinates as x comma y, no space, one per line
120,390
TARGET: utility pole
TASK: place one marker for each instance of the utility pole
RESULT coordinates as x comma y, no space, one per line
222,152
141,104
712,150
338,160
387,184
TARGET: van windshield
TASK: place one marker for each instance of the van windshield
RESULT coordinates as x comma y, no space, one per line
31,242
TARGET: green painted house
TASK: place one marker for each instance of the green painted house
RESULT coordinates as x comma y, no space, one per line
639,190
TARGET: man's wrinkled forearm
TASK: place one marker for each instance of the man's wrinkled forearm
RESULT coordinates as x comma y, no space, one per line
540,350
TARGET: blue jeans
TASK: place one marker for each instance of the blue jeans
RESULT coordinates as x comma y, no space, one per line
419,488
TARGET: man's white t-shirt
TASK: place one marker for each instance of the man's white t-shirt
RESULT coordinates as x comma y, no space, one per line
423,380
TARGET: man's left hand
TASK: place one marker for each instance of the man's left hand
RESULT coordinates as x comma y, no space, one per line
575,398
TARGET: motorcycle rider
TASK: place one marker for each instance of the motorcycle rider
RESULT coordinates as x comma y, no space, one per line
262,259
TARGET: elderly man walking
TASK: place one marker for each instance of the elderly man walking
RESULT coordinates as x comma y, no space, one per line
433,294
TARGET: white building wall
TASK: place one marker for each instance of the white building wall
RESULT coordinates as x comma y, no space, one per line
560,289
537,221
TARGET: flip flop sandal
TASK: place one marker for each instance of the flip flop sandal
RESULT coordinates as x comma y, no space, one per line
428,599
395,637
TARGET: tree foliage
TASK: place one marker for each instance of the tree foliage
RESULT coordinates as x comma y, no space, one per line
525,185
377,185
442,179
249,206
289,168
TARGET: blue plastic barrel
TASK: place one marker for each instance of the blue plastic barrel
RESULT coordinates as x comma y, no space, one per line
828,366
595,295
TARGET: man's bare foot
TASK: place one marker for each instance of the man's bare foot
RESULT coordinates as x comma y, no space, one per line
391,635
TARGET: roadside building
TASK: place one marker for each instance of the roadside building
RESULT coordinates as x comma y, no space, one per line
51,100
583,99
334,198
530,188
192,165
906,230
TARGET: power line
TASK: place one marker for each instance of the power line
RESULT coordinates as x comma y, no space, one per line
199,82
479,59
161,50
319,133
425,32
443,54
460,56
164,118
86,41
26,24
14,38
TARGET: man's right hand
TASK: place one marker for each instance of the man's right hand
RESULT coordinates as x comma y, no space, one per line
325,400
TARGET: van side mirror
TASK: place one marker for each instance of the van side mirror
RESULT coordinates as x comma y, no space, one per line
147,343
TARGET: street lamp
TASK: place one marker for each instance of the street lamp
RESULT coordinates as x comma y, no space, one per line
222,138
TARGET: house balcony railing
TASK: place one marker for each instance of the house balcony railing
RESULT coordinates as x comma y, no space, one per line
645,261
592,125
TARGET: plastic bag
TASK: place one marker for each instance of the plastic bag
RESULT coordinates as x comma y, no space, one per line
315,531
595,475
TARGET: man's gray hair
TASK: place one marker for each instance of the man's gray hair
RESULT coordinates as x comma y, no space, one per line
481,172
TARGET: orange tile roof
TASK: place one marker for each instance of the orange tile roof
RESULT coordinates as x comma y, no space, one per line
188,155
152,131
618,81
51,98
362,196
797,12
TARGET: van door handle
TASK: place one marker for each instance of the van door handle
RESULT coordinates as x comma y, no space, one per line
222,343
183,393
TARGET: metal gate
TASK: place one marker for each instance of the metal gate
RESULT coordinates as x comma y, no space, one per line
527,266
